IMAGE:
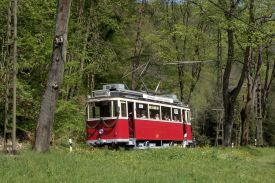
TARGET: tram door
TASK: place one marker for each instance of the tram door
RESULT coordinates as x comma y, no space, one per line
131,119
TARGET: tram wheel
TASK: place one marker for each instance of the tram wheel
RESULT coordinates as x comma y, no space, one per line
171,143
113,146
146,144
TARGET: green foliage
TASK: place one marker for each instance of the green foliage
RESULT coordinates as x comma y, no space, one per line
159,165
69,120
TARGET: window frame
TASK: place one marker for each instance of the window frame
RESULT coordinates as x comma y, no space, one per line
126,108
144,109
159,111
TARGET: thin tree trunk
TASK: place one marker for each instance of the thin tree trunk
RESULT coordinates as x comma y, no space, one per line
2,61
10,72
93,82
186,15
137,50
267,84
196,68
89,24
219,64
80,10
252,80
14,60
257,96
136,61
259,118
246,112
55,78
266,80
180,67
68,87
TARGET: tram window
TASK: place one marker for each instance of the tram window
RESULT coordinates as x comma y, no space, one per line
183,116
100,109
105,109
154,111
166,113
142,110
115,109
188,116
94,110
123,108
176,114
91,112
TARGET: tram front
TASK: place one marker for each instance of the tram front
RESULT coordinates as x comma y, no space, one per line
104,124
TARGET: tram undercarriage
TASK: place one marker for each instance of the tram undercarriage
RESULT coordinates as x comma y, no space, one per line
138,144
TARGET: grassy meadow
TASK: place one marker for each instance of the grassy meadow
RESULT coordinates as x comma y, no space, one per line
153,165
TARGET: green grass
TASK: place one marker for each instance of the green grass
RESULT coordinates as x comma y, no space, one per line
159,165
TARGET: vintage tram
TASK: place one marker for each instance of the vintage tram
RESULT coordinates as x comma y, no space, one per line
118,116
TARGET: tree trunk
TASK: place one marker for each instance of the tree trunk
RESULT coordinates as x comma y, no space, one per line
137,50
228,121
55,77
230,95
227,102
88,27
267,83
259,117
186,15
257,94
181,83
219,65
259,132
196,68
2,61
246,111
252,84
245,117
93,82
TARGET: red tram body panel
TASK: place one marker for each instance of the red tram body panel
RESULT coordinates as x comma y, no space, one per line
157,130
119,132
119,116
189,132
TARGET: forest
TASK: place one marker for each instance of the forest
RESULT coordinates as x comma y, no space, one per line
217,56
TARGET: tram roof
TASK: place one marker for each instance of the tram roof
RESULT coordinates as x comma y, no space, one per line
119,90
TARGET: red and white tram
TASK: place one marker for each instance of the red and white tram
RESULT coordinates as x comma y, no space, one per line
119,116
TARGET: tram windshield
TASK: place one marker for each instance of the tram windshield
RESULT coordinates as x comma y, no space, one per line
100,109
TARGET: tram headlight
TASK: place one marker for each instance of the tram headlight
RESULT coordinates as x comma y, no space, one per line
101,131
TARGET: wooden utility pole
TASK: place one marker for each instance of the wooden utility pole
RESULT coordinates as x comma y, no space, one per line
219,110
10,79
219,127
55,78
